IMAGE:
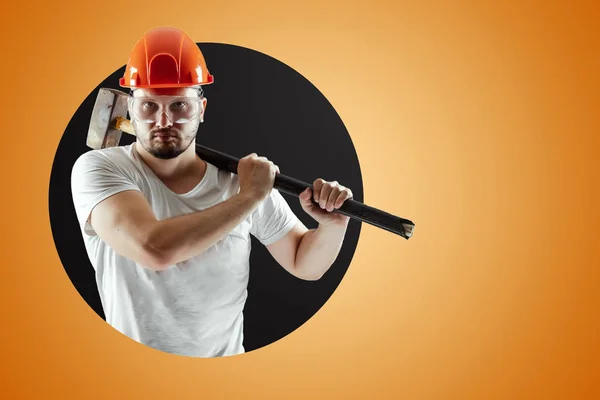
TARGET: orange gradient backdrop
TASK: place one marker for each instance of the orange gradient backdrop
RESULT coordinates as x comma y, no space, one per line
479,122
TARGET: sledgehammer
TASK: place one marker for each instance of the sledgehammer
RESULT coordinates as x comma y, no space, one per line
109,120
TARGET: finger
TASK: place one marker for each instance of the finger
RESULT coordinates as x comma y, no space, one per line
335,192
325,191
344,188
248,157
317,185
306,195
344,195
274,168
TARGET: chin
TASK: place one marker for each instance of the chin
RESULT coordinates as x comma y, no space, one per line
165,150
166,154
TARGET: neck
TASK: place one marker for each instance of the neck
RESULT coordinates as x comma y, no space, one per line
173,168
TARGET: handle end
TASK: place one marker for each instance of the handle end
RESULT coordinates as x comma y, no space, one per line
408,230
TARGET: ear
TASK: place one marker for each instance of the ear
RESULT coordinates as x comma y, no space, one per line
204,102
129,103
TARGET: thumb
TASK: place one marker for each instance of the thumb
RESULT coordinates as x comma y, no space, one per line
306,196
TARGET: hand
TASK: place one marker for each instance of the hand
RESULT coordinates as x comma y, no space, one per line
257,176
330,196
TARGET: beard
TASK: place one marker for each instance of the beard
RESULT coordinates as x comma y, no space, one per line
177,143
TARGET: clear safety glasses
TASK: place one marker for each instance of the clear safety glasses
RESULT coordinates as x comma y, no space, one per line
178,109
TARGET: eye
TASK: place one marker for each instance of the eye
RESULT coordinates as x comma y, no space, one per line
179,104
148,104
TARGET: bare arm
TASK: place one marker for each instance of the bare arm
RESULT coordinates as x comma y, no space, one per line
127,223
308,254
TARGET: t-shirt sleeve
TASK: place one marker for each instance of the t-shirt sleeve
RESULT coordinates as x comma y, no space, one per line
93,179
273,219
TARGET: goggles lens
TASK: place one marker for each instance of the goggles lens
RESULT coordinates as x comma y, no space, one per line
178,109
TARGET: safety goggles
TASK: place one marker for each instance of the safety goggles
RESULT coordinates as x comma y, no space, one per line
179,109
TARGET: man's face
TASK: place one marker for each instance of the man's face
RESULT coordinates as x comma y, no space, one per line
155,115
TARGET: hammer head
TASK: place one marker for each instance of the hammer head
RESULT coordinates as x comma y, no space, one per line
110,104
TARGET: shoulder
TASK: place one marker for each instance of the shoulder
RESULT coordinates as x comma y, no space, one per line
109,157
272,205
104,165
222,179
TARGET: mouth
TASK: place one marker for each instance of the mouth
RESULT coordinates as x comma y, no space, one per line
165,137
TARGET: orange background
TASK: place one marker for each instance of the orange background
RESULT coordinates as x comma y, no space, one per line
478,122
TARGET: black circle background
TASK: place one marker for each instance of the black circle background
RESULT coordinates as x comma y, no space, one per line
256,104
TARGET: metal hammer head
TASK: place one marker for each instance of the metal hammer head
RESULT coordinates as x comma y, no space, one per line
110,106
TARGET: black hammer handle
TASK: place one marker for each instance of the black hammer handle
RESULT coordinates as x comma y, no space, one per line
351,208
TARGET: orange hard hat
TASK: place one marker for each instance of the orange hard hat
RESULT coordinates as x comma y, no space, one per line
165,57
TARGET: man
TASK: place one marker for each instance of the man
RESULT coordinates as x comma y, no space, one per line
168,233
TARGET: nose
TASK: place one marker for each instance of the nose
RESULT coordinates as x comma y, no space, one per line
163,120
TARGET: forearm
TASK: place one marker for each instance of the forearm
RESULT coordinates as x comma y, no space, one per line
318,249
180,238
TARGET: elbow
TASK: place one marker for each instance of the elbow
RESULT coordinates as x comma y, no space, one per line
313,277
156,256
156,261
309,275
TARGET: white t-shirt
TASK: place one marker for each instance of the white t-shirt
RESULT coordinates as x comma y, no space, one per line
192,308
